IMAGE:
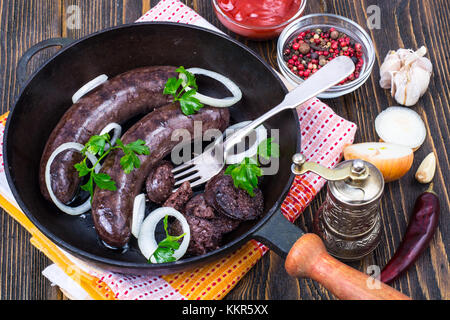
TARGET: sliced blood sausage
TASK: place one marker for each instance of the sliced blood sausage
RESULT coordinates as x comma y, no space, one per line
198,207
111,210
121,98
222,195
178,199
160,182
206,225
204,235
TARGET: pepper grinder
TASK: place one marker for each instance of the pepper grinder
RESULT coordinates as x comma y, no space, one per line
349,220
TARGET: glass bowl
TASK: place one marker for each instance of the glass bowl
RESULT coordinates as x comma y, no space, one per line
342,24
251,31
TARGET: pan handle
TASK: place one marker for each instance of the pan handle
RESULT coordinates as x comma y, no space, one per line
26,57
308,258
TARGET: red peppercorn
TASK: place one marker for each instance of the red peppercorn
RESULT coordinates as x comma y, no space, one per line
339,44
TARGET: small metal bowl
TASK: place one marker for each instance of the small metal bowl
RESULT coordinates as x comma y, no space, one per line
342,24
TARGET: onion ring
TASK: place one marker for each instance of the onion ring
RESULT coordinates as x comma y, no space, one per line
65,208
94,83
117,132
261,135
138,214
210,101
146,240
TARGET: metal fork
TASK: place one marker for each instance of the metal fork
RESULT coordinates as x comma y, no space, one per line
206,165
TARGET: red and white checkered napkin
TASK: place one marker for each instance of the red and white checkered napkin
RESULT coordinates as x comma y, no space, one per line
324,135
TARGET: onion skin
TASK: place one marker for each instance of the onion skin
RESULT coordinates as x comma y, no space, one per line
392,169
420,230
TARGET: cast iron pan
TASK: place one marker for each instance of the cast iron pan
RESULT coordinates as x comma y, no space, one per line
47,95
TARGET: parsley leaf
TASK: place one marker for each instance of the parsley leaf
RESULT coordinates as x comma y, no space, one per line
166,248
138,147
89,186
184,93
103,181
189,104
96,146
191,81
267,149
82,168
245,174
172,86
130,160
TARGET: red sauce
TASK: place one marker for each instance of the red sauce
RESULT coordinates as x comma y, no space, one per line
257,14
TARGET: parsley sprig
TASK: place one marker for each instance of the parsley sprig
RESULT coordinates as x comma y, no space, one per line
184,93
96,146
245,174
166,248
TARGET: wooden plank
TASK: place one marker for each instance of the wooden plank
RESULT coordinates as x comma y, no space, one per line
20,263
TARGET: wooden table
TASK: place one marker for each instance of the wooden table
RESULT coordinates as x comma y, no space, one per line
408,24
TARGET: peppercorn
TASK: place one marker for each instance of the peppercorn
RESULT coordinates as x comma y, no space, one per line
334,35
304,48
312,49
314,55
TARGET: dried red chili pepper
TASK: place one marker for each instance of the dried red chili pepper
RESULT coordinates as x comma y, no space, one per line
422,225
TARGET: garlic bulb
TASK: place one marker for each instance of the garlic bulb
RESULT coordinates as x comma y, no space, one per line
407,73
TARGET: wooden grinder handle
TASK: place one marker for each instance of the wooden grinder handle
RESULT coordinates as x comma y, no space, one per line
309,258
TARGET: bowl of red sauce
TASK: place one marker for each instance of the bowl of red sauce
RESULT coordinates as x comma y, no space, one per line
258,19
